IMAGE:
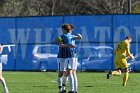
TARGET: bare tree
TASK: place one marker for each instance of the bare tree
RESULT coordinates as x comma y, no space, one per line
136,6
65,7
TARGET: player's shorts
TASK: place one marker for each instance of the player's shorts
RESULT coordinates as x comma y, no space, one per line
75,63
71,63
120,63
67,63
0,66
61,65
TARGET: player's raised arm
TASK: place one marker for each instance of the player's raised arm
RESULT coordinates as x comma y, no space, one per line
78,36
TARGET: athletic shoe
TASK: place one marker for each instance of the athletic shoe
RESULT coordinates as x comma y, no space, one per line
71,92
109,74
123,84
64,91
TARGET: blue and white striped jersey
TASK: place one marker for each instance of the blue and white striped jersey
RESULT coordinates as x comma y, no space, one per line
67,52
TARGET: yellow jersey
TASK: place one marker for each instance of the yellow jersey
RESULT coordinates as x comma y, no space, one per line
123,49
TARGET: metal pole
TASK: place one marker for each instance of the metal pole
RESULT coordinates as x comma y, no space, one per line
129,6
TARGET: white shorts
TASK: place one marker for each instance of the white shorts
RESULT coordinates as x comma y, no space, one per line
67,63
76,63
0,66
61,65
71,63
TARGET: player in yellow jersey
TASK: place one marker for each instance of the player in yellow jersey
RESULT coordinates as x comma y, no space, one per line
122,53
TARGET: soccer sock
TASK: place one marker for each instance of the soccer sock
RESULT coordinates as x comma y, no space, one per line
60,83
125,78
71,82
115,73
4,85
75,82
65,78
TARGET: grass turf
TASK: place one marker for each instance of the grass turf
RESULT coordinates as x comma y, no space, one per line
46,82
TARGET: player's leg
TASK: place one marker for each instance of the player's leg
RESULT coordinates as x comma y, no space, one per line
126,74
3,80
60,73
75,81
75,76
125,78
69,63
118,66
117,72
64,81
71,79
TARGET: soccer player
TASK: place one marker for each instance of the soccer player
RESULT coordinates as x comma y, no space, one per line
72,62
121,52
68,44
1,77
61,60
75,61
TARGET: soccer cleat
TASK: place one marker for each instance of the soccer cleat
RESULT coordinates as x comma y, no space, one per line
61,92
109,74
71,92
64,91
124,84
75,92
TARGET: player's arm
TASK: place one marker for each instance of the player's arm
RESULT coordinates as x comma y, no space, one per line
115,51
66,45
128,52
59,40
78,36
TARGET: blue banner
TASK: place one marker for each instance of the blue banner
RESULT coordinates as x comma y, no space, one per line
29,41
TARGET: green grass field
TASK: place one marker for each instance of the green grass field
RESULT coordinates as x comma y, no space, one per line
46,82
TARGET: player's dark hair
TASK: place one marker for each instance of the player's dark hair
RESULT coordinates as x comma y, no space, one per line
72,27
67,27
128,37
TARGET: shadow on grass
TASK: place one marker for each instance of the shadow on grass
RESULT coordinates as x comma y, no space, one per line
88,86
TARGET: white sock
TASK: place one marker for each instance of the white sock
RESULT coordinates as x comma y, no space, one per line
75,82
4,85
65,79
71,82
60,83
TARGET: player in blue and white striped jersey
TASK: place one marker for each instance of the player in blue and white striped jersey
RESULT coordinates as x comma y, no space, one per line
66,60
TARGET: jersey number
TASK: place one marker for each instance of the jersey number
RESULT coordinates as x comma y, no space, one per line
119,47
